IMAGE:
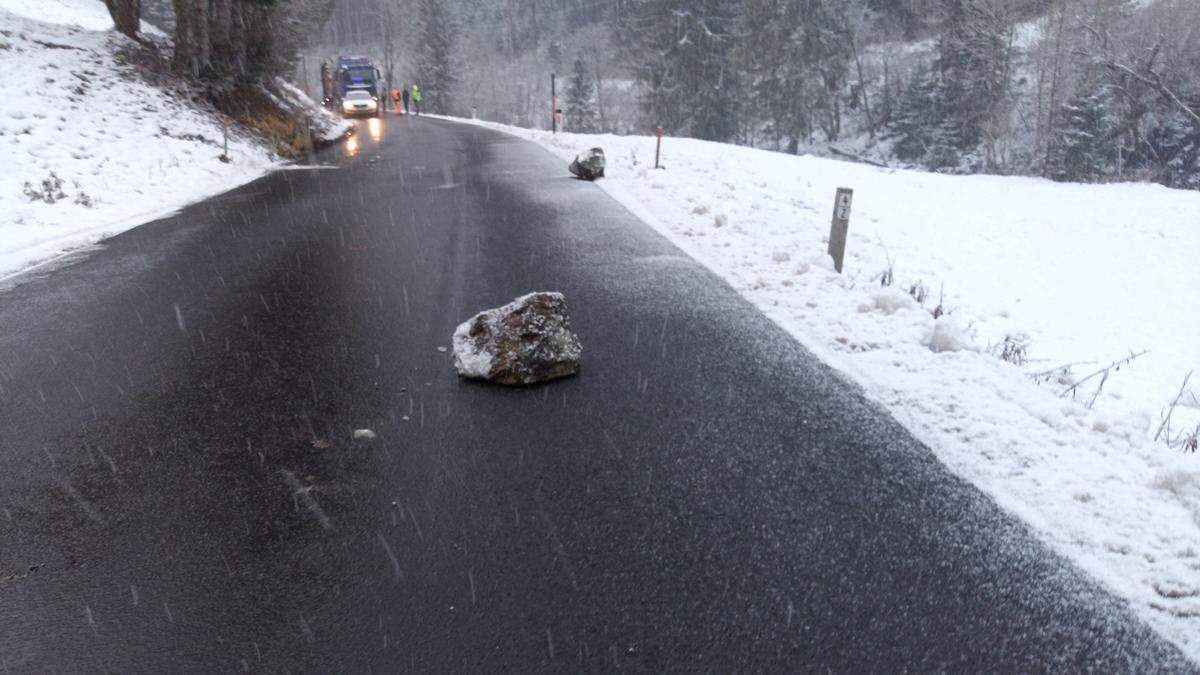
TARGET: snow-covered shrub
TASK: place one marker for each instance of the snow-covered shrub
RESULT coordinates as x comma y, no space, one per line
1191,441
941,306
82,198
1013,349
919,292
51,190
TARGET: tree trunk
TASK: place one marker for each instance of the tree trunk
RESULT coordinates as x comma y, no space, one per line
1052,106
862,86
600,109
201,29
193,46
237,39
182,58
537,31
219,19
510,19
259,39
126,16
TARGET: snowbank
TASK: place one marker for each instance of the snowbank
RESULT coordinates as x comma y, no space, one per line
1078,273
91,149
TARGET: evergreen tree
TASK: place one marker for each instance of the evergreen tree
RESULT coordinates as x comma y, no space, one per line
581,90
1085,144
973,64
437,55
230,42
685,63
914,120
798,62
922,131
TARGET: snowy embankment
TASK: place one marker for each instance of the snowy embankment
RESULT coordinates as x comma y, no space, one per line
1073,274
91,148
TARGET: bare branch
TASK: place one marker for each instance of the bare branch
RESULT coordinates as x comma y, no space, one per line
1103,373
1166,423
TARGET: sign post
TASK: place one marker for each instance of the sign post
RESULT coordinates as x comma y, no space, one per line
658,148
553,106
840,227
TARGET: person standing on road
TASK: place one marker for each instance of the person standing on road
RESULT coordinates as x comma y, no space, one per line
404,94
416,97
396,99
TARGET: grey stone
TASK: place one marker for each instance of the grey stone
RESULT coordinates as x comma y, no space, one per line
526,341
589,165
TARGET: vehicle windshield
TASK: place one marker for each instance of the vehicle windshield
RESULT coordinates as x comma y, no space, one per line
359,74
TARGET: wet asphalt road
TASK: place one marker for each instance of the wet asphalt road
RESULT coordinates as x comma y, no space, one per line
181,491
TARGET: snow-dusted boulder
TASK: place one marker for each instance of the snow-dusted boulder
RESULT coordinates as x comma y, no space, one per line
526,341
589,165
947,336
888,300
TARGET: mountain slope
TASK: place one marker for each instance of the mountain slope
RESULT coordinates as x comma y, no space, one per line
91,147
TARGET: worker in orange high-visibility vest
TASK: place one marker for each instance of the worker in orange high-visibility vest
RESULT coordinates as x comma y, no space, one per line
396,99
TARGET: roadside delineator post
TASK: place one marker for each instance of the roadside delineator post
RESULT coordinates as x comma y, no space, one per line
658,147
553,106
225,134
840,227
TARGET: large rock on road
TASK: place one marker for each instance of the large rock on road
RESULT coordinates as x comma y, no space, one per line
588,165
526,341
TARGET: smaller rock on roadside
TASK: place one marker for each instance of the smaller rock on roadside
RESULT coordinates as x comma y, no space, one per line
528,340
589,165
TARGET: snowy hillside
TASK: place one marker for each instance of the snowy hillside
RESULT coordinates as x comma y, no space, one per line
91,148
1073,274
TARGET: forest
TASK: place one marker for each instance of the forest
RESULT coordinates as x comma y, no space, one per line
1074,90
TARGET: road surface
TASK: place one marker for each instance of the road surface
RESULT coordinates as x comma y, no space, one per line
181,489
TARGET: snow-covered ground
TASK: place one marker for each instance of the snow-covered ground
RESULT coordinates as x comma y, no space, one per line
80,130
1082,273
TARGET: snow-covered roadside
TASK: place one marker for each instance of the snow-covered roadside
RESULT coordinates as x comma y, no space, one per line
326,126
91,149
1085,273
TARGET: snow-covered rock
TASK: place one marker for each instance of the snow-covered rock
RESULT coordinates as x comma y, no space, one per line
889,300
326,126
589,165
526,341
948,336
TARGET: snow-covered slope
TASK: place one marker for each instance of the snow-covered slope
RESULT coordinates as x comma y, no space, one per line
1083,273
90,148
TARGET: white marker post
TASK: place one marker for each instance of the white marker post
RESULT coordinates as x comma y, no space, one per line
658,147
840,227
225,135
